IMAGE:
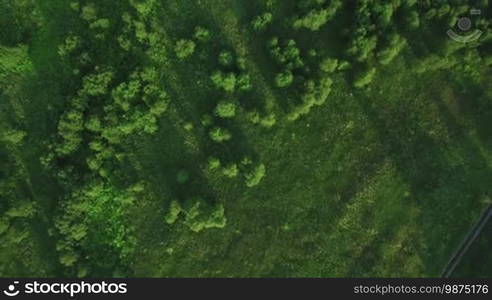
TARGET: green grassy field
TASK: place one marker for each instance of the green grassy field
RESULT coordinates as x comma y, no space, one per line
380,181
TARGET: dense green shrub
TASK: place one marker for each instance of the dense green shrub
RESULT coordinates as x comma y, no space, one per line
261,22
319,15
395,45
286,54
384,12
254,177
184,48
363,47
244,82
202,34
412,19
316,93
268,121
199,215
213,163
225,109
226,58
95,208
13,136
284,79
224,81
364,78
173,213
230,170
329,65
207,120
97,84
220,135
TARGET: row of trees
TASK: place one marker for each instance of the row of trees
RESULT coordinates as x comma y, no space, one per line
232,79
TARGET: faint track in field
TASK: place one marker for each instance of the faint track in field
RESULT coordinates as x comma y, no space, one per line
465,244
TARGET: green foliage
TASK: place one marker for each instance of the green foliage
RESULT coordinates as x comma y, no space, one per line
363,47
268,121
329,65
188,126
202,34
286,54
395,46
244,82
70,127
262,21
4,225
70,44
68,259
384,13
184,48
254,177
23,209
225,109
344,66
319,16
220,135
213,163
89,12
93,224
316,94
230,170
435,62
413,20
284,79
364,78
200,215
207,120
97,84
18,20
226,58
254,117
173,213
13,136
14,62
84,114
224,81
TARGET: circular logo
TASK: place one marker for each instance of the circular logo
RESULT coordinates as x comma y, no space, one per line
464,24
11,291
